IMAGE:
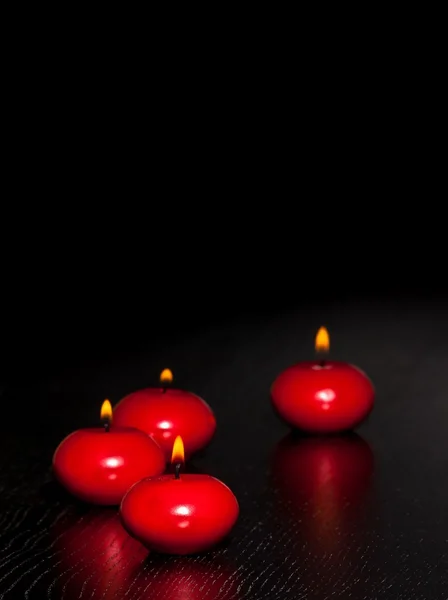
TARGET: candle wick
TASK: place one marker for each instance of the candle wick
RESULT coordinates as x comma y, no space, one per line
106,426
322,362
177,470
164,389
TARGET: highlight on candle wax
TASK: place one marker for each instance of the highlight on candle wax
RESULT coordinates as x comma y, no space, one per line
322,340
106,414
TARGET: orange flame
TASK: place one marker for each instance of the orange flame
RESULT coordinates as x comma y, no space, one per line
178,454
106,411
166,376
322,340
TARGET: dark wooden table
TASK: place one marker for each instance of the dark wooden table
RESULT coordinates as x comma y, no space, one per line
358,517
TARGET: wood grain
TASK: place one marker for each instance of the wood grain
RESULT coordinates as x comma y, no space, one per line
364,517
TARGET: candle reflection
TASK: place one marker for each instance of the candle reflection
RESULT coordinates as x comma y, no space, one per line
184,578
97,556
98,559
324,484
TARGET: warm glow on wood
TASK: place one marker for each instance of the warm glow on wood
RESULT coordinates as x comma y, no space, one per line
322,341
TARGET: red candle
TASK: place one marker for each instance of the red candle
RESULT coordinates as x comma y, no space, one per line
99,465
323,396
179,514
164,413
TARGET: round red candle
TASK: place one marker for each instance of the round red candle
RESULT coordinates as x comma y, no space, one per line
323,396
164,413
181,513
99,465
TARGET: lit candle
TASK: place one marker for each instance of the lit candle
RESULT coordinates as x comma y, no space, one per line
165,412
98,465
179,513
323,396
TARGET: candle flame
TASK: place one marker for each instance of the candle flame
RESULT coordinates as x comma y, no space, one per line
106,411
178,454
322,340
166,376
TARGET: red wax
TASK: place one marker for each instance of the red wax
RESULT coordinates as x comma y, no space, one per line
165,415
99,467
179,516
328,398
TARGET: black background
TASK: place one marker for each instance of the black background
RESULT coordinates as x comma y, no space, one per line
134,243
